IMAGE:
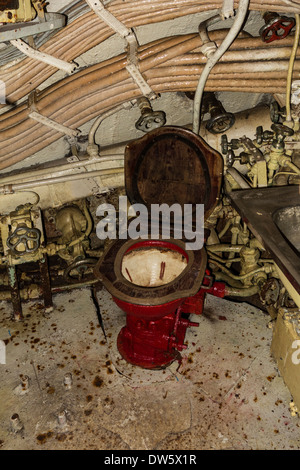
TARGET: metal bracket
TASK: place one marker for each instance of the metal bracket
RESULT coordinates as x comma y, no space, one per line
129,36
53,124
34,114
132,67
13,31
43,57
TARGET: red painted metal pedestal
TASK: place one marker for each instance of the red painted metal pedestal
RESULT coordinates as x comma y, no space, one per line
154,335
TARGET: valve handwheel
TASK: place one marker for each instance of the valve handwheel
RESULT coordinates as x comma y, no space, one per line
24,240
282,130
276,27
79,266
220,123
151,120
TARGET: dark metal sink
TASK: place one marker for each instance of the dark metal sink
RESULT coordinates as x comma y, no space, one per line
288,222
273,216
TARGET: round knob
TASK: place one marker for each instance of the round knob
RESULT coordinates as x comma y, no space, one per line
220,123
149,121
224,144
281,130
276,112
230,158
276,27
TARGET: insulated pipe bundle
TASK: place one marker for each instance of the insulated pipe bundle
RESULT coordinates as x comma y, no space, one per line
88,31
170,64
92,91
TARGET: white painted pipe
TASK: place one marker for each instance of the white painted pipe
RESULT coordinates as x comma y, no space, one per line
59,170
55,180
211,62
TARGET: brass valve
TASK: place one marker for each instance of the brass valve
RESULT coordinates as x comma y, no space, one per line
71,223
262,136
276,136
280,133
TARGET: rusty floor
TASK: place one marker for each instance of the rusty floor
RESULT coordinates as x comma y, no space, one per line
226,394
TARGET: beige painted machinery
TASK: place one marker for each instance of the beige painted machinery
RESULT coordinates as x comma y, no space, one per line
17,11
31,238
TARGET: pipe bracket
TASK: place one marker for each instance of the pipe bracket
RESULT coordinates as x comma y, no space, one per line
53,124
132,43
43,57
34,114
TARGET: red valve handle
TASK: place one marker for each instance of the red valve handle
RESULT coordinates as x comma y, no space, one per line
277,29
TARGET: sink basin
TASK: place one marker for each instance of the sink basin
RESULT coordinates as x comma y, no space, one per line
273,216
288,222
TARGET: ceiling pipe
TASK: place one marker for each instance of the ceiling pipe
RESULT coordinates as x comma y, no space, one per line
99,88
88,31
214,58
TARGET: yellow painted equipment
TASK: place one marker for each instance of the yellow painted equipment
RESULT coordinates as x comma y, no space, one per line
16,11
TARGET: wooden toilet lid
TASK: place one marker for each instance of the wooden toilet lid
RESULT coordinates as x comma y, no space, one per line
173,165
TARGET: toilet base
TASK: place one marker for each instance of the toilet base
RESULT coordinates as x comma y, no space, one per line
130,352
153,344
154,335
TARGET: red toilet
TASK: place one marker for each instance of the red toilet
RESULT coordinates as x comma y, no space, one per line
157,282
